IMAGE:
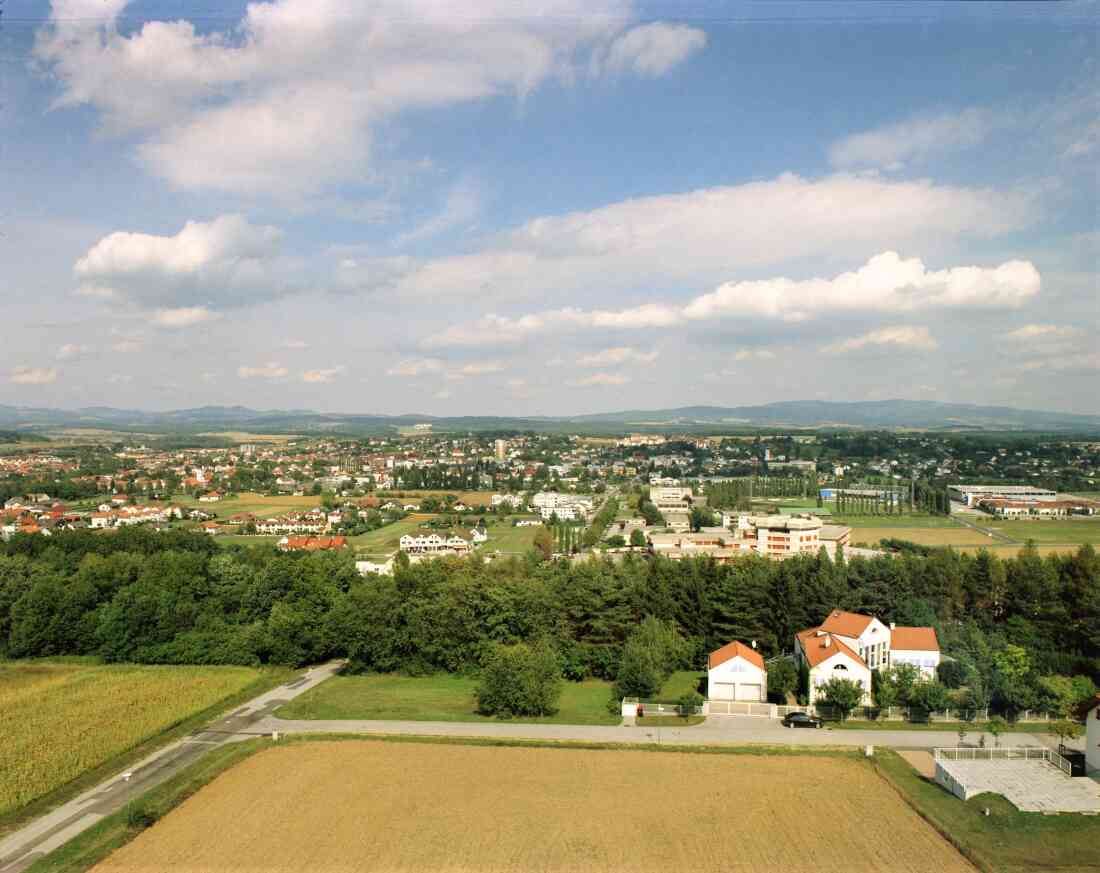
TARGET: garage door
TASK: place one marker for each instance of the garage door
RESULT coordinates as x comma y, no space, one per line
724,691
748,692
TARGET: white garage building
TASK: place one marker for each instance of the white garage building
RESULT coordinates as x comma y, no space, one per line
1092,735
737,672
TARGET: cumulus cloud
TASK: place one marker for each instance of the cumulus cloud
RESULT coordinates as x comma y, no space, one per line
617,355
323,376
887,283
700,237
653,49
901,336
227,260
295,344
270,370
185,316
600,380
286,100
25,375
413,367
915,138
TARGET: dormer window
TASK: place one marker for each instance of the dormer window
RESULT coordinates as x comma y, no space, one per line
840,667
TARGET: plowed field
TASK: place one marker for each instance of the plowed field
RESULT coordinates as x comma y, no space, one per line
380,806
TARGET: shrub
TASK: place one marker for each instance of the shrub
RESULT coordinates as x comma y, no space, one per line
843,695
140,816
520,680
688,704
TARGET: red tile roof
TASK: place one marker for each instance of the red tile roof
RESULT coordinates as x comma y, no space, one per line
914,639
848,624
732,650
821,647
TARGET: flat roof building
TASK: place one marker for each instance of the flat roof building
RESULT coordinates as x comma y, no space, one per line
971,494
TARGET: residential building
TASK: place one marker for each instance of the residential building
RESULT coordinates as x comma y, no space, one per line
1092,735
453,542
866,642
737,672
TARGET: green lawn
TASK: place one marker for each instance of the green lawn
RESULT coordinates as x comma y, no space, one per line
1005,841
436,698
242,540
683,682
510,540
1068,531
385,540
258,504
669,721
915,520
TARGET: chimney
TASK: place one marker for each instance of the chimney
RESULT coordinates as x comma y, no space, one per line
893,626
754,644
828,641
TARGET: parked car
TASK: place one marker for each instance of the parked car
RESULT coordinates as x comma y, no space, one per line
801,719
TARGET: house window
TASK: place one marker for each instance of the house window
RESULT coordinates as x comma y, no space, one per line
840,667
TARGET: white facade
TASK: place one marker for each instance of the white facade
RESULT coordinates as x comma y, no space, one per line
925,662
737,679
1092,738
840,666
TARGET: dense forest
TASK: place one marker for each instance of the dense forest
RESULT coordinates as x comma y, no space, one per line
176,597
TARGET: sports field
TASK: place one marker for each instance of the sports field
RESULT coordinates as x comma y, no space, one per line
508,539
58,720
258,504
925,536
383,806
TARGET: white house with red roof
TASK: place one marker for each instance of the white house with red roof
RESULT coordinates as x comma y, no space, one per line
827,656
737,672
849,645
1092,735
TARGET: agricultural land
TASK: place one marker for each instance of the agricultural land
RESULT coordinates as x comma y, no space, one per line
380,806
59,720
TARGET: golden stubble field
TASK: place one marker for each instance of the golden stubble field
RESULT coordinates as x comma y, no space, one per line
370,806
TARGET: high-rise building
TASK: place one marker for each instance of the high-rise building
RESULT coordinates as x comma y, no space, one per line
501,448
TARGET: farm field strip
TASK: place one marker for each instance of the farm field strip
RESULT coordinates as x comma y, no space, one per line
378,806
59,720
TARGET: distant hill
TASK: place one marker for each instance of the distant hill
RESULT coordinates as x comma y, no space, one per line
877,414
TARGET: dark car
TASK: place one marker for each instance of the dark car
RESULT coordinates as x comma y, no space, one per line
801,719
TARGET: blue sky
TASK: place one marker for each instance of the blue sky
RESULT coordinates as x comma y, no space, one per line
459,208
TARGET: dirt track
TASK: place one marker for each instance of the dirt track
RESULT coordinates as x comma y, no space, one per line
382,806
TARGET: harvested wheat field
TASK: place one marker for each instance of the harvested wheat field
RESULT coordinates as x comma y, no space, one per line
366,806
925,536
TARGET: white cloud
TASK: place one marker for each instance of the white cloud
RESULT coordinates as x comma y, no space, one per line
600,380
442,394
653,49
461,208
295,344
323,376
901,336
285,101
1031,332
886,283
182,317
415,367
120,378
270,370
893,145
702,237
617,355
33,375
227,260
128,345
70,351
754,354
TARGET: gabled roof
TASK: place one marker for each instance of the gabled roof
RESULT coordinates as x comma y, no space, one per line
914,639
733,650
849,624
818,650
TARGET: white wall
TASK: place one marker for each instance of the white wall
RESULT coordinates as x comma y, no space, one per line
926,662
855,671
1092,740
738,672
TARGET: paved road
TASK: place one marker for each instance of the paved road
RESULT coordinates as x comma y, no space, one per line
21,848
716,730
997,535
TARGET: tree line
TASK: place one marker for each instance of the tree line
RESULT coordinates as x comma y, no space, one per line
177,597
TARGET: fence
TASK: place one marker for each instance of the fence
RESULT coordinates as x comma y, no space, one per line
657,707
740,707
1007,753
904,713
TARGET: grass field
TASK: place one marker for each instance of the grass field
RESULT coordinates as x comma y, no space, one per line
470,498
258,504
856,522
1067,532
1005,841
435,698
385,540
58,720
953,536
510,540
384,806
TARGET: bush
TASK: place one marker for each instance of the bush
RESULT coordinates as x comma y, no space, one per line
520,680
843,695
650,655
139,816
688,704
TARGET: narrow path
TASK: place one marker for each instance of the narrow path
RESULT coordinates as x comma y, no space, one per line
989,532
23,847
